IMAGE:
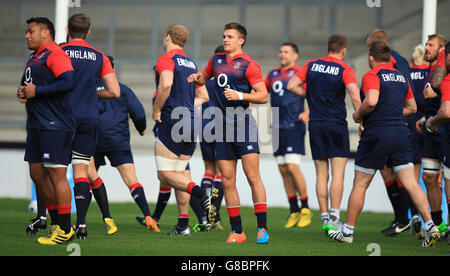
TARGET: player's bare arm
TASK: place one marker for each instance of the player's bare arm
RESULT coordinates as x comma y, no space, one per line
295,86
259,95
441,117
199,78
367,106
353,91
410,107
429,92
112,90
201,96
436,78
163,92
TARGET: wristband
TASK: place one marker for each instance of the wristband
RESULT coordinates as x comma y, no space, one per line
241,96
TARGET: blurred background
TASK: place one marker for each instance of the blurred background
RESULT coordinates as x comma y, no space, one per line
133,30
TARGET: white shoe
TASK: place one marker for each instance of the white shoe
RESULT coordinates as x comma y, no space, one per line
339,236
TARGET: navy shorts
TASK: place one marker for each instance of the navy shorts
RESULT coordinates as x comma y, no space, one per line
446,147
85,140
116,158
49,146
208,150
239,138
290,141
433,144
384,146
329,140
417,144
164,134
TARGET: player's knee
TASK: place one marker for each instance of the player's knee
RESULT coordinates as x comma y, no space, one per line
254,180
292,168
283,169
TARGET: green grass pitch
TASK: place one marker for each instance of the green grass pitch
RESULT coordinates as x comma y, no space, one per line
133,239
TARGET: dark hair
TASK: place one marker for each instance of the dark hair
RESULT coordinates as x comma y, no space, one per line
238,27
111,59
380,51
79,25
292,44
447,49
43,21
219,49
336,43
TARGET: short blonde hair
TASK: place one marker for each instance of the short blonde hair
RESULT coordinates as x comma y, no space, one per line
178,34
418,55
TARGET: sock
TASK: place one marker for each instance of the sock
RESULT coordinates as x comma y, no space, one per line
137,192
261,214
41,209
196,205
437,217
99,191
195,190
405,203
394,197
293,204
335,214
81,190
218,201
325,216
183,221
304,201
235,219
53,212
348,230
429,225
161,203
64,218
207,181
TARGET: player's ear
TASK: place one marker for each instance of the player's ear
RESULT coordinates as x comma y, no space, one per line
87,34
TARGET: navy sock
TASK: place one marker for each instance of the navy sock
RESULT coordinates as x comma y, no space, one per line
195,190
236,224
196,205
183,221
161,203
394,197
437,217
82,192
41,209
304,201
64,218
293,204
100,195
137,192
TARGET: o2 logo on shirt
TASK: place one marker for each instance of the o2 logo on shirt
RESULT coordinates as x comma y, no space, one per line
222,81
277,87
28,77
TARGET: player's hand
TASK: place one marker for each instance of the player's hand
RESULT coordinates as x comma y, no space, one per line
356,118
193,78
231,95
304,117
428,92
419,126
21,94
29,90
157,116
361,129
142,133
430,127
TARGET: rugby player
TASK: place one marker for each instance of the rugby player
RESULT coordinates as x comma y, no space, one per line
89,64
236,75
175,95
291,134
387,99
328,79
48,79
